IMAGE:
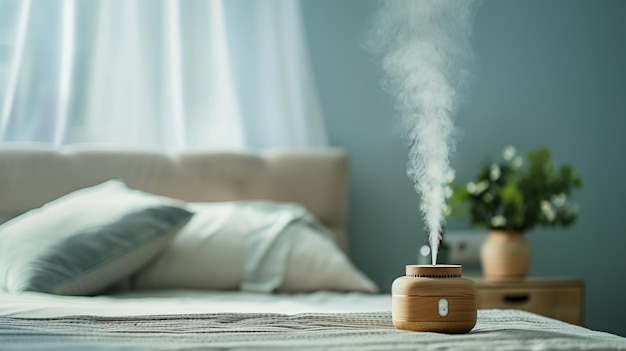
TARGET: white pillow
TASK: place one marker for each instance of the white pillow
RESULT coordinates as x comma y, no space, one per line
316,263
256,246
86,241
207,253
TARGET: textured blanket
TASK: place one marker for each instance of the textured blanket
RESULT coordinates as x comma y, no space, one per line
495,330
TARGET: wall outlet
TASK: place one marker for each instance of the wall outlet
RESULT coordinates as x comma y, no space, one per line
465,246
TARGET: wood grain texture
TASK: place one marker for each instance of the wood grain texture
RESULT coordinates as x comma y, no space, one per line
415,301
433,286
438,326
562,299
436,271
416,308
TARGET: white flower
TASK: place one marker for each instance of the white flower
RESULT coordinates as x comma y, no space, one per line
518,162
447,192
481,186
471,188
508,153
548,211
494,172
559,200
498,221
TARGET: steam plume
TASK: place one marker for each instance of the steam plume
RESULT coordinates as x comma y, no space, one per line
426,54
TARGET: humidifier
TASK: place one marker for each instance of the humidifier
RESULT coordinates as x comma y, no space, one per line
434,298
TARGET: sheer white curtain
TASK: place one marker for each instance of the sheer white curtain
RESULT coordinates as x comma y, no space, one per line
172,74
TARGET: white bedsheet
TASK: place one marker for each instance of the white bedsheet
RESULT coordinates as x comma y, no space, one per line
188,319
158,302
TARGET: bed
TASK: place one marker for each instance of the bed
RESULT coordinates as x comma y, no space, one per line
135,249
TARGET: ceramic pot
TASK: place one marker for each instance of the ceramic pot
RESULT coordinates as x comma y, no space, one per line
505,255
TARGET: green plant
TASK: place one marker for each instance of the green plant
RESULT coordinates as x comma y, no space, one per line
515,195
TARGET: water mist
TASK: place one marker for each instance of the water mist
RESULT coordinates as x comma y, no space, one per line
426,55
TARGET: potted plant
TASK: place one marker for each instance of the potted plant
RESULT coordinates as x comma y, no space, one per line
512,197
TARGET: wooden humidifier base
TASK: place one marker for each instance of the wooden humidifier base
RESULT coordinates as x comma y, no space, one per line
434,299
438,327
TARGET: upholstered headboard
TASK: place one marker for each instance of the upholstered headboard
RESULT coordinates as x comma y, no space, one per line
32,176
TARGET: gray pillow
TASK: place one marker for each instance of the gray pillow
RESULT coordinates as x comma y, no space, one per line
86,241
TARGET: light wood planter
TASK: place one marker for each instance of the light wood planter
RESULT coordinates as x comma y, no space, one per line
505,255
434,299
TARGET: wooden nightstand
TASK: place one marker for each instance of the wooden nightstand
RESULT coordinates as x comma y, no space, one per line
561,299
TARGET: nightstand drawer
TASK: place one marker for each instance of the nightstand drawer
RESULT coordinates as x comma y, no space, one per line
563,303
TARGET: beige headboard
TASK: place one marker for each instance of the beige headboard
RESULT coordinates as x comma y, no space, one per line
31,176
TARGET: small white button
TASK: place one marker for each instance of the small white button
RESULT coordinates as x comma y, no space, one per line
443,307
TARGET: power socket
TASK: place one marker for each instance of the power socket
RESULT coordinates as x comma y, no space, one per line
465,247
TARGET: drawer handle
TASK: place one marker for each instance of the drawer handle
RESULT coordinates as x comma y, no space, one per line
516,299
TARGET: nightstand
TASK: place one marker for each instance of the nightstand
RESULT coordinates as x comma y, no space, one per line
556,298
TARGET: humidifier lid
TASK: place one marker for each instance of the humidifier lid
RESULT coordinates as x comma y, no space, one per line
437,280
434,271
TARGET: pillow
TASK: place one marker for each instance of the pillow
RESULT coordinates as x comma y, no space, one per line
255,246
316,263
86,241
208,253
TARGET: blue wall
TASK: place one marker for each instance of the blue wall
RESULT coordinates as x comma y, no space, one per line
548,73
